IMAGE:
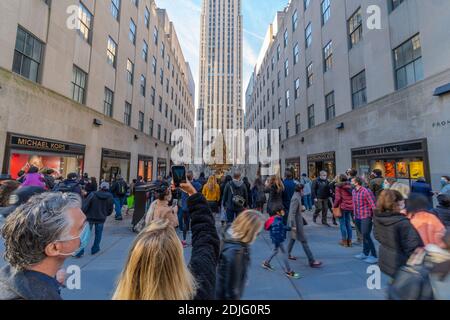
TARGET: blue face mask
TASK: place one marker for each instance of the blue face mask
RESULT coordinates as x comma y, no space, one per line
84,237
443,182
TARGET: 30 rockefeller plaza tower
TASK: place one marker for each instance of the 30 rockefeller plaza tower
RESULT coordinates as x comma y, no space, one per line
220,99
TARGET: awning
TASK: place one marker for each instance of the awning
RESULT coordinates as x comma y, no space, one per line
442,90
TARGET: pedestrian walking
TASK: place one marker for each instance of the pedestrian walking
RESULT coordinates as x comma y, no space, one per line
397,236
234,260
119,190
69,185
422,187
97,207
344,201
258,195
249,192
442,211
363,206
288,193
235,197
145,277
307,184
39,236
211,191
278,232
321,194
274,187
223,212
297,228
186,218
91,186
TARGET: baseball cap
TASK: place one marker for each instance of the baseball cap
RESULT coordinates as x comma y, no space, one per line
104,185
19,197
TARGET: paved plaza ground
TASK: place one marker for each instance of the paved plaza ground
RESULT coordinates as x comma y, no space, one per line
342,277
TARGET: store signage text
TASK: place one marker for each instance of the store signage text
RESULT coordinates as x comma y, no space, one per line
39,144
322,157
440,124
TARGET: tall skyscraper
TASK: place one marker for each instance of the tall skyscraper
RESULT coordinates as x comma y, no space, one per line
220,101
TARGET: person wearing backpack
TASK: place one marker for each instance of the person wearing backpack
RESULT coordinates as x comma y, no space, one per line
119,191
71,184
235,197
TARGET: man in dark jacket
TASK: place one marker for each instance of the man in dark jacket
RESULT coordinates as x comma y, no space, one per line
421,186
321,193
235,191
39,236
288,193
97,207
119,191
443,209
71,184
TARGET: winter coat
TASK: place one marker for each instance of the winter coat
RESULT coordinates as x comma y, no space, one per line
307,184
205,247
259,197
296,217
68,186
49,181
398,240
27,285
343,196
288,192
34,180
275,199
278,231
424,188
98,206
239,188
376,186
430,228
234,261
321,189
446,189
213,195
165,212
443,214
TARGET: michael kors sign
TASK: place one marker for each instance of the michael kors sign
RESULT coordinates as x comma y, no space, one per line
24,142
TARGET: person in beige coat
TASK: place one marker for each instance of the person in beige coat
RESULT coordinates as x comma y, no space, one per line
160,209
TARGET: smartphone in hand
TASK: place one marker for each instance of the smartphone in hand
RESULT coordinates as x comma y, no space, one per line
178,175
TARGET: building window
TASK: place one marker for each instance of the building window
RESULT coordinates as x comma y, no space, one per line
150,127
286,68
309,75
279,106
79,78
297,124
297,88
287,130
130,71
163,50
294,21
288,100
154,65
161,76
145,51
165,135
115,9
135,2
286,38
153,96
311,120
143,85
147,17
166,113
111,52
355,28
159,132
141,122
408,63
328,57
273,112
296,54
395,4
359,97
27,55
330,109
108,103
278,52
160,104
326,11
308,35
132,33
127,114
155,36
85,26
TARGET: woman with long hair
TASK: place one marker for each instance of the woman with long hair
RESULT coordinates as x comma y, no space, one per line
275,188
155,268
211,191
344,201
235,255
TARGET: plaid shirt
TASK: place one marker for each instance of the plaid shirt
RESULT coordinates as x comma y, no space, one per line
363,203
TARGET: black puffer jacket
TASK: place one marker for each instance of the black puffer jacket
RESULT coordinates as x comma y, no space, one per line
232,270
398,240
98,206
321,189
205,247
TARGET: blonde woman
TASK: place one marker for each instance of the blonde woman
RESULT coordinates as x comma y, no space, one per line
275,188
235,255
211,191
155,268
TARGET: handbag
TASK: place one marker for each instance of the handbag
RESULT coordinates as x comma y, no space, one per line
337,212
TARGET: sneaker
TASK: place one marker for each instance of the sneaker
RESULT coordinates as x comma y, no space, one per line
371,260
292,258
293,275
267,266
343,243
361,256
315,264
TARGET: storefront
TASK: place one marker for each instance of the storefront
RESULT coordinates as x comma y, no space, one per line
22,152
325,161
162,168
405,161
145,167
294,166
113,163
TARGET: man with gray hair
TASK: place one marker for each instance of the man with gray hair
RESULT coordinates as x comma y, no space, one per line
321,193
39,236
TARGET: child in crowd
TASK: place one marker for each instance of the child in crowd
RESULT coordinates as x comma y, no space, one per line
278,235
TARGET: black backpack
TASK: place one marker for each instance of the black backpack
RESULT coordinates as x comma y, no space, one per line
121,188
237,199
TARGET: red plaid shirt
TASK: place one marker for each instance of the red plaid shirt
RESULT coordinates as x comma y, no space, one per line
363,203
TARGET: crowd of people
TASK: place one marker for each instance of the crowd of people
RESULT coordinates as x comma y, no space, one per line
49,219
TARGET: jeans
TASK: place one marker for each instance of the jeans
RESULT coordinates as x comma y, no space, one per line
280,247
345,225
365,225
186,223
118,204
98,229
307,202
180,219
321,205
231,215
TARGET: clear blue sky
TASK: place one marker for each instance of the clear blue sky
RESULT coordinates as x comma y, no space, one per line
258,14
